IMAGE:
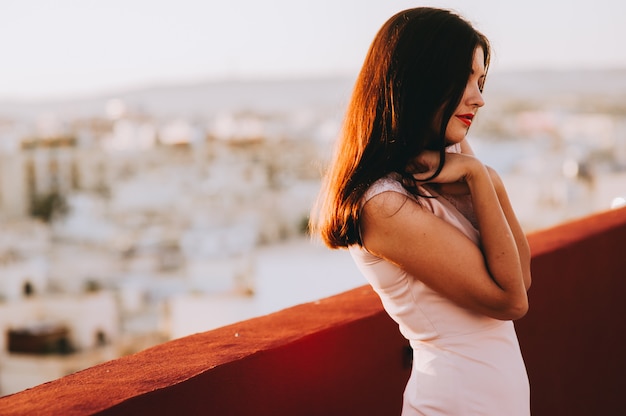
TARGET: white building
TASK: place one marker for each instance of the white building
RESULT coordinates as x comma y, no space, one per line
91,322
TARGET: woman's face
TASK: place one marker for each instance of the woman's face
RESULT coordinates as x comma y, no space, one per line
471,101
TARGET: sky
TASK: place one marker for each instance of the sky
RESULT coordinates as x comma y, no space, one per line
71,48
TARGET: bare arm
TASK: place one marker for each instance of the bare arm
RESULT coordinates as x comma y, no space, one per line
518,233
487,279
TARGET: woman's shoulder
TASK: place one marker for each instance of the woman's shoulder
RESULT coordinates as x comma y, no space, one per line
390,182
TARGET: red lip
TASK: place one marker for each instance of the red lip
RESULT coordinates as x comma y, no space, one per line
466,118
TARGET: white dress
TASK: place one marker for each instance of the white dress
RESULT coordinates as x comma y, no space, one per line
464,363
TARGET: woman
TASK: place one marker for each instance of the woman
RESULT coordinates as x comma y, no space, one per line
430,226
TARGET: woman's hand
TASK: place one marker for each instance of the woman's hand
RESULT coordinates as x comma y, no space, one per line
452,178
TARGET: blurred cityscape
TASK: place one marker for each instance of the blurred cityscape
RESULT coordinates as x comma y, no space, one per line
148,215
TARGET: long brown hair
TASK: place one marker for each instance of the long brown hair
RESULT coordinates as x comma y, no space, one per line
416,67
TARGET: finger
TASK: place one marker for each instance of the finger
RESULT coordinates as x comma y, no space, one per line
415,168
423,176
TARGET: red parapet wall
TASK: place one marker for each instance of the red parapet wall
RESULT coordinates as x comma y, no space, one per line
574,335
339,356
343,355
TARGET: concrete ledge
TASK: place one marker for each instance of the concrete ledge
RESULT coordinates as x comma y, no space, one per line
594,227
573,336
343,352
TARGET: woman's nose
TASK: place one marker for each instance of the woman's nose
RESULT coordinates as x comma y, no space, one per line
476,97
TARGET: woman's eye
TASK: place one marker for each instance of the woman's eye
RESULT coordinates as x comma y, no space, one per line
481,85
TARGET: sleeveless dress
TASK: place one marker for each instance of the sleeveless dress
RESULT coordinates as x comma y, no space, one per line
464,363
